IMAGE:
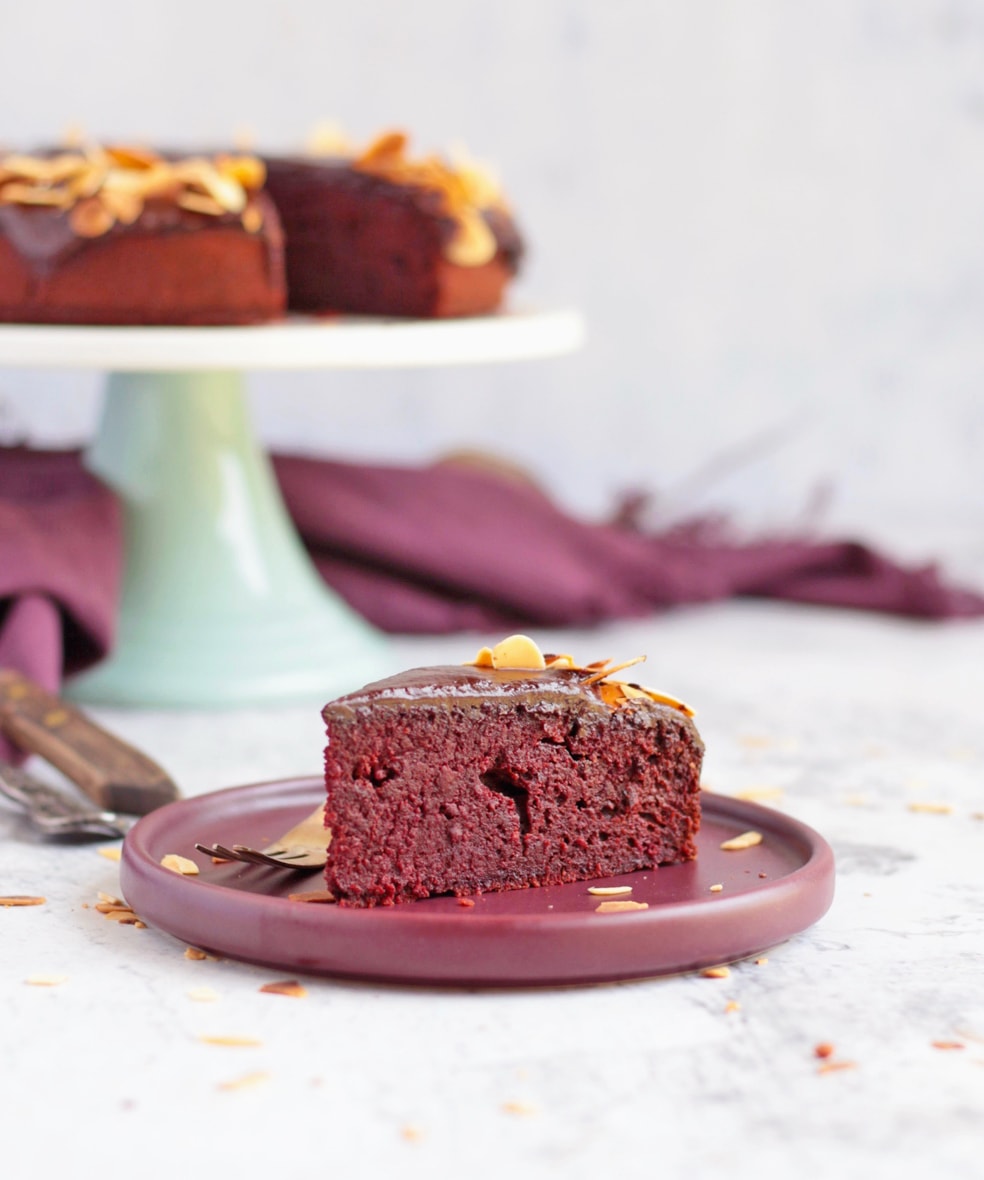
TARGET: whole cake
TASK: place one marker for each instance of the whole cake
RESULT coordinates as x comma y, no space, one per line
380,233
126,236
516,770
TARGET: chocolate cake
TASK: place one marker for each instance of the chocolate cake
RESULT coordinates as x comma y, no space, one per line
516,770
125,236
378,233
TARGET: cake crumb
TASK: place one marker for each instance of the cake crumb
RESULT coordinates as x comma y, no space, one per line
716,888
824,1050
609,890
716,972
732,1006
246,1082
110,853
948,1044
231,1042
617,907
193,952
285,987
21,899
835,1066
745,840
179,864
932,808
313,895
45,980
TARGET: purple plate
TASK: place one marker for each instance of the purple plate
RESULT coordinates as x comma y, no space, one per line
520,937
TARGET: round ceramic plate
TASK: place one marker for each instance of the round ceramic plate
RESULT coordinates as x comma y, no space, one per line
521,937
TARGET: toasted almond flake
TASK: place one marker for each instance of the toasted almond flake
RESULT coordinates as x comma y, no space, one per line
619,907
520,1108
977,815
110,898
203,994
110,853
716,972
716,888
732,1006
484,658
90,218
754,794
467,902
855,801
193,952
745,840
603,673
231,1042
761,962
755,741
518,651
20,899
200,203
107,907
324,896
609,890
835,1066
221,860
411,1134
246,1082
285,987
45,980
138,925
179,864
824,1050
125,917
252,219
948,1044
932,808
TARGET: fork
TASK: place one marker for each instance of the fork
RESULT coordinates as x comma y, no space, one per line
55,813
303,847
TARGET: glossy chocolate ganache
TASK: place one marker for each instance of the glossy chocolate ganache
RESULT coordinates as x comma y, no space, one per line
496,775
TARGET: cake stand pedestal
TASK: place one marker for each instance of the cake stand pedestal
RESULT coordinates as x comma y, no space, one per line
220,604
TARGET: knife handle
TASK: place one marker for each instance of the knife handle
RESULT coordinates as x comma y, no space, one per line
112,773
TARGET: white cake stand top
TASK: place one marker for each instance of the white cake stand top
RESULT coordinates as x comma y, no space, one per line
295,343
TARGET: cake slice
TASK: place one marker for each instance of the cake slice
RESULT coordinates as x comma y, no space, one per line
516,770
118,235
381,233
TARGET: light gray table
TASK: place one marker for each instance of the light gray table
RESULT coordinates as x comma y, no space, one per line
869,729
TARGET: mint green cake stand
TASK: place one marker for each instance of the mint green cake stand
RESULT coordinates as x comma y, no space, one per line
220,604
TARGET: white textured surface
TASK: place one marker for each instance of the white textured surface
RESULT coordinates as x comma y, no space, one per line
854,718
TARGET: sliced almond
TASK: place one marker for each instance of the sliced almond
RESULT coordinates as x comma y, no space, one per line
932,808
716,888
21,899
203,995
90,218
745,840
45,980
15,193
609,890
322,896
125,207
246,1082
716,973
252,219
473,242
518,651
619,907
285,987
198,203
179,864
137,159
193,952
248,171
110,853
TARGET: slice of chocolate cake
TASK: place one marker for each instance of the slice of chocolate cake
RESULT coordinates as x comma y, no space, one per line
516,770
120,235
380,233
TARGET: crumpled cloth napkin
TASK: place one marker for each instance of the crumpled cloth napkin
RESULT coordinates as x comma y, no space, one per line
450,547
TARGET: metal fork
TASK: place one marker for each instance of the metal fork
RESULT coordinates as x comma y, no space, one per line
303,847
55,813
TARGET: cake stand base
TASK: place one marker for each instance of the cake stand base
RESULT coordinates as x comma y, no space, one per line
221,605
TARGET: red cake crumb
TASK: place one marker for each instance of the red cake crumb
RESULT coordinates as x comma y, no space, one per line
461,779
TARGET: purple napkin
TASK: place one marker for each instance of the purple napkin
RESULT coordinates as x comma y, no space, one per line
443,548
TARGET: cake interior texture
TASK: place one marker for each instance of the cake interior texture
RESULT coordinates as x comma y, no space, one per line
464,779
363,244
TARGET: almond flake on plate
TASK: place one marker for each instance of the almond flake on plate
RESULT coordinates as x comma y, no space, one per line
609,890
745,840
618,907
179,864
313,895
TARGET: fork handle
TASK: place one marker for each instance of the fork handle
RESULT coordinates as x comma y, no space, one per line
112,773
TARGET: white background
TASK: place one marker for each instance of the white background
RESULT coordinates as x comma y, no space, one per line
772,216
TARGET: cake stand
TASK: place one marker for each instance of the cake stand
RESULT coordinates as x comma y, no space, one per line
220,604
